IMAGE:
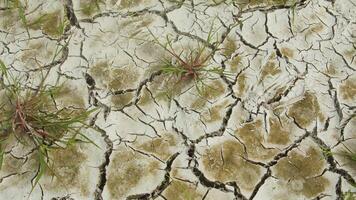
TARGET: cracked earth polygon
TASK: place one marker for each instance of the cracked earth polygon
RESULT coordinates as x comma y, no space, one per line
178,99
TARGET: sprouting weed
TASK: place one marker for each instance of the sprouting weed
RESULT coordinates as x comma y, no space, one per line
36,121
192,64
88,7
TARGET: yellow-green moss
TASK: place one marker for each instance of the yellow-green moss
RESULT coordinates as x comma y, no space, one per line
241,83
224,163
8,18
160,146
130,3
287,52
263,2
314,29
179,190
251,135
145,98
303,169
349,54
114,78
229,47
306,111
349,195
70,97
270,69
49,23
137,23
164,89
348,89
331,70
90,7
100,70
66,170
209,92
11,164
275,100
126,170
123,78
36,51
235,63
215,113
314,186
277,133
346,155
122,99
124,179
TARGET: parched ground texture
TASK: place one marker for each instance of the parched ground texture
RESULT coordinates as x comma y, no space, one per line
268,128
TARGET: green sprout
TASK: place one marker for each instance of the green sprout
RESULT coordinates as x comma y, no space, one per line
32,117
190,65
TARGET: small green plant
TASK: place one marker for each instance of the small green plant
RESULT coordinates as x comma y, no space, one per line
189,65
32,117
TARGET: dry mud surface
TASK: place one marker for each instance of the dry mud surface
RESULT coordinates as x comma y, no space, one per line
268,128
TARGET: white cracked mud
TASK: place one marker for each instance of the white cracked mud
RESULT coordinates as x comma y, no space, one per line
185,99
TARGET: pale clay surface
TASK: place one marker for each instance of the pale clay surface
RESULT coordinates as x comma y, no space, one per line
259,133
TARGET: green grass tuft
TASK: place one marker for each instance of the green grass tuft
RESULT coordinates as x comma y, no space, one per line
32,117
193,64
